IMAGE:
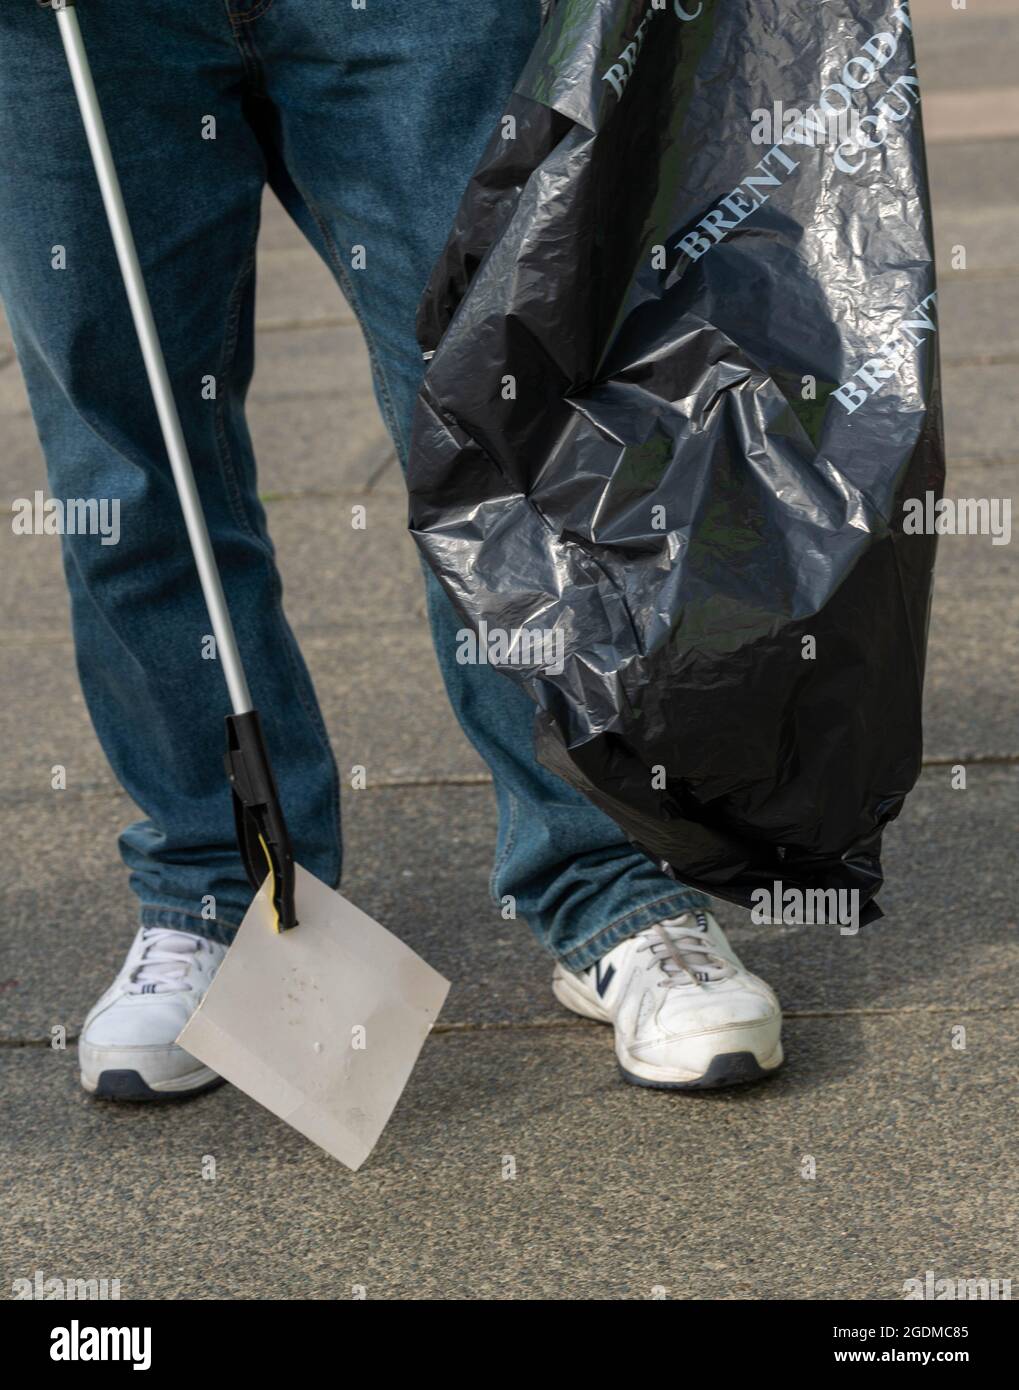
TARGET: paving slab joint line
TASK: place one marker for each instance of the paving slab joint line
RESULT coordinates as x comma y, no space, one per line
318,494
982,461
984,359
286,325
906,1009
983,272
970,759
995,137
580,1024
465,779
380,472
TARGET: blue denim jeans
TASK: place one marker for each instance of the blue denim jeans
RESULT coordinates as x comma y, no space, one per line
367,124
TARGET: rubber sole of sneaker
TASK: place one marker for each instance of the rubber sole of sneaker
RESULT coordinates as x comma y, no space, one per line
727,1069
131,1086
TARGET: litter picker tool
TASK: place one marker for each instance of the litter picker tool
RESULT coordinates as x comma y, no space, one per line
261,829
322,1025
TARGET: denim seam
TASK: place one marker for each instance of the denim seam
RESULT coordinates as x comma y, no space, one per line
256,13
619,928
241,36
500,860
227,355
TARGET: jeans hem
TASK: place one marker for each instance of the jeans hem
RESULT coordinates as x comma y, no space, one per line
179,919
586,952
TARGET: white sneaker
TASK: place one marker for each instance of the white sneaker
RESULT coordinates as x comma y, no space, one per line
686,1012
127,1049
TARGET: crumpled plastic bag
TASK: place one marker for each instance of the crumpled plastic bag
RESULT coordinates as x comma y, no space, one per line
684,380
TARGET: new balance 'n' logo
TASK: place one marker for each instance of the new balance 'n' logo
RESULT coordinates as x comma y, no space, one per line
602,982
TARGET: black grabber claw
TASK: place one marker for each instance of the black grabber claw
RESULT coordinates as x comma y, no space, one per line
261,830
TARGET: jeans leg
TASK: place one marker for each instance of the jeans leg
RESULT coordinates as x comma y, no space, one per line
380,115
154,689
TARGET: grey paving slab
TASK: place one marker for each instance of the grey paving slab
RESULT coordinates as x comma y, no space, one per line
44,721
312,361
981,411
987,236
386,708
336,575
966,49
973,175
616,1192
971,707
295,286
33,597
303,443
379,689
67,906
418,860
960,113
13,401
289,273
315,425
318,444
22,468
950,933
325,358
355,598
278,232
978,317
927,12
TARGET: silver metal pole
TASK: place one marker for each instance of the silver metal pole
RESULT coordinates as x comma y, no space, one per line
155,365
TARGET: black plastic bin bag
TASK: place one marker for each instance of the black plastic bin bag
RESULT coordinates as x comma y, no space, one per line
684,382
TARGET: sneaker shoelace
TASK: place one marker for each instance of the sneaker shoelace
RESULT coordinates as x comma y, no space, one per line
165,961
681,949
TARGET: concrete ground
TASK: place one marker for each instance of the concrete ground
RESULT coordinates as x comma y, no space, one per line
615,1192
